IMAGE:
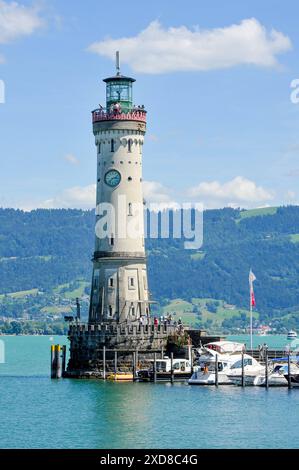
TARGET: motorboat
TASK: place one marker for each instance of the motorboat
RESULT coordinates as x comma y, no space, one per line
294,379
225,353
276,377
292,334
278,374
252,369
181,369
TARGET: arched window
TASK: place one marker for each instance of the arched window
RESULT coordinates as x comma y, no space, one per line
130,209
112,145
110,311
112,240
130,145
99,147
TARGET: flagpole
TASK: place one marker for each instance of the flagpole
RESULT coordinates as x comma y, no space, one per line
251,342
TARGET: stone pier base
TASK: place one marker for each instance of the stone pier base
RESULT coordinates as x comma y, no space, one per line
87,342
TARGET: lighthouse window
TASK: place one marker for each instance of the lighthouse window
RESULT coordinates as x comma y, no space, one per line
133,310
130,209
112,240
110,311
130,145
130,178
112,145
111,282
131,282
99,148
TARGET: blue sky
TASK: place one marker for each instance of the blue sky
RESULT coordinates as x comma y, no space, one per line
215,80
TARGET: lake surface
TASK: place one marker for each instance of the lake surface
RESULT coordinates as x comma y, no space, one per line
37,412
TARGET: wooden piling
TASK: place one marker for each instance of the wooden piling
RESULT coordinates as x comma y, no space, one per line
216,371
134,366
58,361
53,371
243,371
266,369
289,371
171,368
155,367
115,364
63,359
191,358
104,362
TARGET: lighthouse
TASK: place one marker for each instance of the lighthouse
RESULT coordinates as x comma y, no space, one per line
119,323
119,290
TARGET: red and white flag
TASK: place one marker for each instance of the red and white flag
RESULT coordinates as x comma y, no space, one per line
252,278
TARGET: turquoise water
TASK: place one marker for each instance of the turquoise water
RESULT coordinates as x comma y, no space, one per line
36,412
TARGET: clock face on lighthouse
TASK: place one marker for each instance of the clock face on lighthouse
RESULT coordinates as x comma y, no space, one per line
112,178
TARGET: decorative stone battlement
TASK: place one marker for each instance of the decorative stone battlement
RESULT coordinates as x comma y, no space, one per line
121,329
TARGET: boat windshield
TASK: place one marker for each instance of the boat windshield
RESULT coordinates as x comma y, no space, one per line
238,364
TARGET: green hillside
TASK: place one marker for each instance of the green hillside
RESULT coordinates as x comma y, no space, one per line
45,262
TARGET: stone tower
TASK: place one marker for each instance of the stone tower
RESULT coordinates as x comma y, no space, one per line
119,285
119,292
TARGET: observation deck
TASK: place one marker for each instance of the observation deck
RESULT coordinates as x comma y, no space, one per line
100,115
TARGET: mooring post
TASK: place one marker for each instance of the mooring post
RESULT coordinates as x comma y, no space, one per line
53,371
155,367
115,364
136,359
57,361
216,370
243,371
289,371
171,368
266,369
63,359
104,362
134,365
191,358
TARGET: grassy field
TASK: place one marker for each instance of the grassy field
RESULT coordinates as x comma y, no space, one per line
184,310
258,212
71,294
198,256
294,238
53,310
20,294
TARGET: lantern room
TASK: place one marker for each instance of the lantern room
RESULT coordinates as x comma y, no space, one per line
119,97
119,93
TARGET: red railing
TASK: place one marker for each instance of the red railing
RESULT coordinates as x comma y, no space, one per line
99,115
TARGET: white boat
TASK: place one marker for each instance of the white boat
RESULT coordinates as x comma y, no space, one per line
227,352
292,334
181,369
276,377
252,369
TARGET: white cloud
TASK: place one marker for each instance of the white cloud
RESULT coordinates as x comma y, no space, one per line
238,192
17,20
72,159
85,196
160,50
155,192
78,197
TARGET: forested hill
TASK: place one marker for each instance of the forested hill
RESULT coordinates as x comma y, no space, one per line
46,248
